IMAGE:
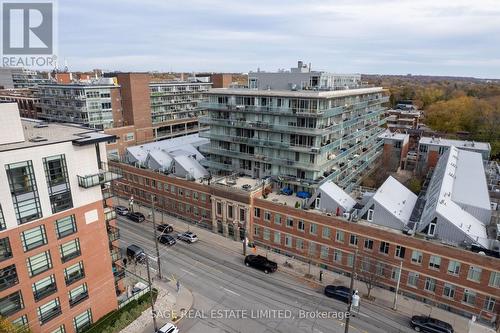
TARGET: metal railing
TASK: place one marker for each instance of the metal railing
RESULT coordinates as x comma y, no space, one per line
103,176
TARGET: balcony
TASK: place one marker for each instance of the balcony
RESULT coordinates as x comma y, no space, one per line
107,192
72,255
113,233
45,291
51,314
8,277
118,272
109,214
78,298
104,175
116,253
75,276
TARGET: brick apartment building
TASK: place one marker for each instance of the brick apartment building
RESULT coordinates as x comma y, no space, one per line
451,278
56,227
26,99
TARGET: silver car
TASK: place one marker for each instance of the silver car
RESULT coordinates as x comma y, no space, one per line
188,236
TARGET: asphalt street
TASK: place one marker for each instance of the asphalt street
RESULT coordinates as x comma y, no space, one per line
229,297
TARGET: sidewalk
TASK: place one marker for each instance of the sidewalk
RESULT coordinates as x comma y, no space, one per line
384,299
168,304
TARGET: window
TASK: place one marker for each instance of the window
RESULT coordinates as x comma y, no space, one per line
70,250
400,251
65,226
449,290
22,321
312,249
412,279
5,250
430,284
56,174
494,280
339,236
267,234
2,220
180,191
489,304
39,263
78,294
337,256
368,244
301,226
195,194
242,213
313,229
299,244
74,273
267,216
230,212
24,191
474,274
369,218
82,321
326,233
8,277
172,189
288,241
394,274
453,267
469,297
289,222
255,230
129,136
11,304
350,259
203,197
277,219
324,252
33,238
257,212
435,262
218,207
60,329
353,240
432,229
277,237
384,247
416,257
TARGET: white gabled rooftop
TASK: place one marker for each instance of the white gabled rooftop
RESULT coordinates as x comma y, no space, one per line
338,195
396,199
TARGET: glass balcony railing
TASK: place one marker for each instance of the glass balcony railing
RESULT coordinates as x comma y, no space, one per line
45,291
113,233
50,314
116,253
74,276
103,176
78,298
118,272
109,214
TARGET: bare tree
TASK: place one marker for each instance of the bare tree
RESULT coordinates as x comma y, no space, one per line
371,272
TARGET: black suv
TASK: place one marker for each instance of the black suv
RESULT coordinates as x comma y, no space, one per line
136,217
428,324
136,253
167,240
165,228
338,292
261,263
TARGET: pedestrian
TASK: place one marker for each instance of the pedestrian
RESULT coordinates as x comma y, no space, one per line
178,284
125,262
355,301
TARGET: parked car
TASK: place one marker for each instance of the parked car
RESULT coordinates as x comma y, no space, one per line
168,328
428,324
121,210
167,240
136,217
261,262
188,236
338,292
165,228
136,253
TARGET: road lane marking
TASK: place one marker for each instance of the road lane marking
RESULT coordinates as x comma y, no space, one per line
230,291
188,272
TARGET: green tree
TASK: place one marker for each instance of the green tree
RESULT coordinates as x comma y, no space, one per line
8,327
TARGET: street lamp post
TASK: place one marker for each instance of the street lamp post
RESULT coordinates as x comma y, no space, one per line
155,235
349,304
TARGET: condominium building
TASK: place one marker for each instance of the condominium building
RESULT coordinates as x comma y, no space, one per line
18,77
301,138
27,101
95,104
56,227
302,77
156,110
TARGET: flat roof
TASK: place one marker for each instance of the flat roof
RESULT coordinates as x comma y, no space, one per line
393,135
298,93
461,144
37,133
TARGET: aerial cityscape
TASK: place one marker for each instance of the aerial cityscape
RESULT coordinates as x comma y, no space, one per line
250,167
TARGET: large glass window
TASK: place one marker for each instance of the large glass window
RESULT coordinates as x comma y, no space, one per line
33,238
453,267
74,273
65,226
474,274
49,311
82,321
430,284
39,263
416,257
56,173
5,250
8,277
11,304
494,280
434,262
2,220
44,287
78,294
70,250
24,191
469,297
413,279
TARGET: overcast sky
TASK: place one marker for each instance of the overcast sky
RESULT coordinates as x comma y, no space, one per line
437,37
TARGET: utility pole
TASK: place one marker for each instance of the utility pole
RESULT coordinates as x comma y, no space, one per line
349,304
155,235
245,238
395,305
153,313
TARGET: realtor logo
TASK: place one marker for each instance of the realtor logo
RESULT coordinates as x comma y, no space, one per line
27,28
